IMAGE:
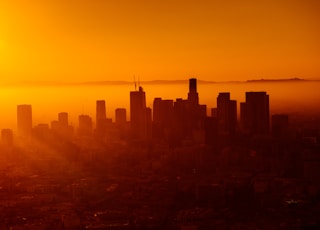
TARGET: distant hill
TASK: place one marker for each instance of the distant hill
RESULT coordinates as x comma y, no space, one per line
277,80
152,82
164,82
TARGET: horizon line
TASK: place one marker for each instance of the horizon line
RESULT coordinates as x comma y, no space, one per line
150,82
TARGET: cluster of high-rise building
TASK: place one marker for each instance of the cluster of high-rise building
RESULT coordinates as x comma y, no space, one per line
174,166
175,121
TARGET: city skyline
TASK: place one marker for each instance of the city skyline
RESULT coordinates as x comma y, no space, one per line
162,114
212,168
81,99
168,119
253,114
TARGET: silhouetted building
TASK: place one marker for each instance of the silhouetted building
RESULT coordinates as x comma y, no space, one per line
63,119
255,113
243,118
223,100
138,114
121,116
211,131
226,114
148,123
233,119
24,119
85,125
199,132
162,117
193,112
7,137
280,125
55,126
101,117
214,112
61,127
180,121
161,108
203,111
193,96
188,117
121,122
41,131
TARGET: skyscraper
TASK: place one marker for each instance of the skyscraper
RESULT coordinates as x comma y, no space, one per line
85,125
193,97
138,114
24,119
63,119
163,115
148,123
121,116
7,137
223,110
193,109
180,120
61,126
233,119
100,117
162,111
255,113
226,114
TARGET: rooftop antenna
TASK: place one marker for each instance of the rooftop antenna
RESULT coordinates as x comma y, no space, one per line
135,83
139,81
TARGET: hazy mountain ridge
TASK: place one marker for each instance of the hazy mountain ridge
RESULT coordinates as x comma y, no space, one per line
151,82
278,80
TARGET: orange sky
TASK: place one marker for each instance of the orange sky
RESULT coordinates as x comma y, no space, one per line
86,40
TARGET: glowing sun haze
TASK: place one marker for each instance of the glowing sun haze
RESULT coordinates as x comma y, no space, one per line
85,40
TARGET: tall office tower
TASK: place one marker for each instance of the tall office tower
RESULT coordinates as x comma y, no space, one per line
101,117
138,119
280,125
223,100
233,119
193,113
162,117
121,116
211,131
148,123
55,126
121,122
63,119
85,125
41,131
226,114
157,118
214,112
243,120
193,96
162,111
203,111
61,126
180,121
24,119
255,113
7,137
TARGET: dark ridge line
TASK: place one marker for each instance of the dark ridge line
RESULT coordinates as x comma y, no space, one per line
152,82
277,80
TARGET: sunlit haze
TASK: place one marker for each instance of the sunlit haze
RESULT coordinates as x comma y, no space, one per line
292,97
159,114
78,40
